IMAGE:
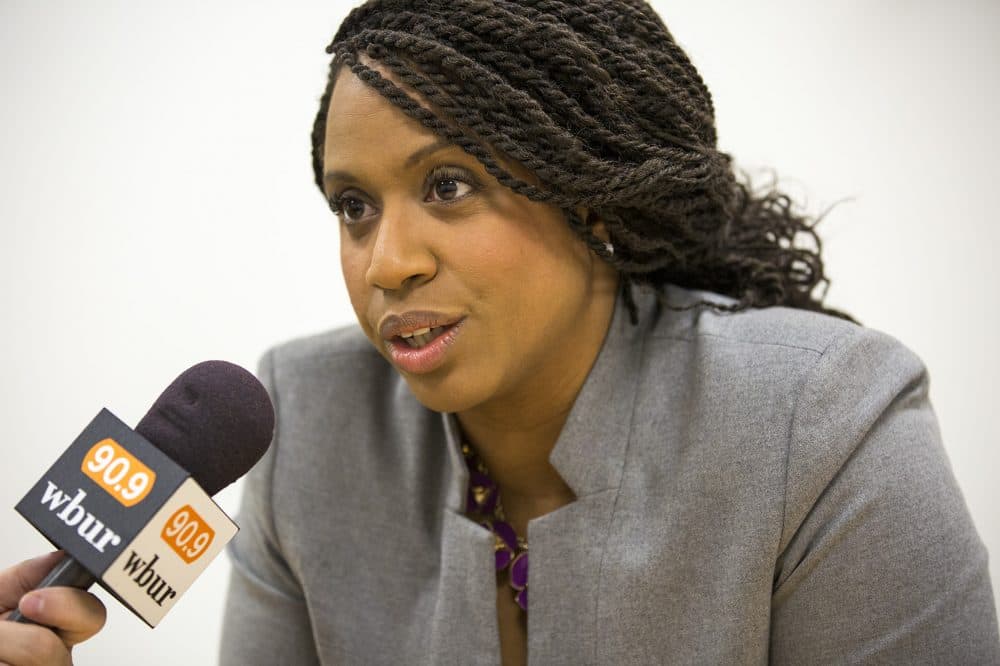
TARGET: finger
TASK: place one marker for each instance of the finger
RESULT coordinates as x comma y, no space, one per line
21,578
31,645
75,615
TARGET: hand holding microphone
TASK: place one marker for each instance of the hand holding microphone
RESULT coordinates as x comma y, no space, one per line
214,421
65,616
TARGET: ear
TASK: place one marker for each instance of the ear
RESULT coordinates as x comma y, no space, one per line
600,231
595,223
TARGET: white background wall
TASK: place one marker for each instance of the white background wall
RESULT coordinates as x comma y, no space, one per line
156,209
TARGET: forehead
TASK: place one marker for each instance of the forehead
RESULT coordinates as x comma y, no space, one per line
366,132
360,115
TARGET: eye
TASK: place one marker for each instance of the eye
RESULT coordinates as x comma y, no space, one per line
450,189
449,185
351,209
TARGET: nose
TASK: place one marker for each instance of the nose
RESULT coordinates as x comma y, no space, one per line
400,256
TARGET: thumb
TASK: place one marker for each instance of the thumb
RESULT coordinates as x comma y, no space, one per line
21,578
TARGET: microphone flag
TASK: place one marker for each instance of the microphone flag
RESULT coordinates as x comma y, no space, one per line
135,519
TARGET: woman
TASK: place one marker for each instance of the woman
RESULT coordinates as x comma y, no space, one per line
582,339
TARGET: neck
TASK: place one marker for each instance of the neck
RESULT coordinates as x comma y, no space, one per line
517,453
515,434
514,437
517,459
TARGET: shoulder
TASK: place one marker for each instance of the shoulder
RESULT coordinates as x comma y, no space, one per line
346,422
833,391
836,376
811,340
327,366
338,345
800,390
335,382
328,385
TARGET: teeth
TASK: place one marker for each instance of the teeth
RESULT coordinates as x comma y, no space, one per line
419,331
422,336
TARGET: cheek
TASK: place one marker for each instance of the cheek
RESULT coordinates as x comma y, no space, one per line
353,265
540,253
517,236
528,271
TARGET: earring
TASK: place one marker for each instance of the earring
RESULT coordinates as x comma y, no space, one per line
610,249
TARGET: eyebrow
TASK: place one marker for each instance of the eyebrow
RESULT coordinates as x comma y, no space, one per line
421,153
414,157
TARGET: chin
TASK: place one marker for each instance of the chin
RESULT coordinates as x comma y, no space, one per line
442,395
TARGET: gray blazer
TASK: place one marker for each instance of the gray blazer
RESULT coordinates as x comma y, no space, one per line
767,486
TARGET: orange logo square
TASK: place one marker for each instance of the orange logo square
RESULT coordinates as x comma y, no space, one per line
187,534
118,472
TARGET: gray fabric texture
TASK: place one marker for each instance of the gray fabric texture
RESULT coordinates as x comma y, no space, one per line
760,487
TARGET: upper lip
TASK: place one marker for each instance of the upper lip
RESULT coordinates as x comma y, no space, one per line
393,325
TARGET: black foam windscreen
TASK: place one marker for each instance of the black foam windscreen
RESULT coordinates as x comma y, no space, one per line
215,420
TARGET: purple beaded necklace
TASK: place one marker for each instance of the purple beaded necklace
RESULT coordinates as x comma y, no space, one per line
482,504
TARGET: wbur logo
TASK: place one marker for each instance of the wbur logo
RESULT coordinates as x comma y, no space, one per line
145,576
74,514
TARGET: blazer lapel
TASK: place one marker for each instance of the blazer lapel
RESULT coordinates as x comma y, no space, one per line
464,617
567,546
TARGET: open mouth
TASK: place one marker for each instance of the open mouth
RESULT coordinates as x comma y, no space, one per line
421,350
422,336
419,341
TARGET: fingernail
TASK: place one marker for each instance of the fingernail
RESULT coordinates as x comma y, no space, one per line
32,604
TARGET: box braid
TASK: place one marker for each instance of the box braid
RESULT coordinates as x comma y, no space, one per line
596,100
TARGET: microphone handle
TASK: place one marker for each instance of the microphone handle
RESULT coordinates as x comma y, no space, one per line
68,573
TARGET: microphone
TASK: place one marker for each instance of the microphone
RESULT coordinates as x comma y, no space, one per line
213,423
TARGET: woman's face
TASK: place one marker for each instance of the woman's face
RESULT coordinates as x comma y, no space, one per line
478,296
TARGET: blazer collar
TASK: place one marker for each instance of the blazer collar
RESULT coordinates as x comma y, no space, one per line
590,452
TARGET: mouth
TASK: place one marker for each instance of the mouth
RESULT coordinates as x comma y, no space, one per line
418,342
422,336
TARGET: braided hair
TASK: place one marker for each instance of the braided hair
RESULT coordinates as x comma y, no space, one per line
598,102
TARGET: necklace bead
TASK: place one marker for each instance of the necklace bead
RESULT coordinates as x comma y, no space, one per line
483,505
